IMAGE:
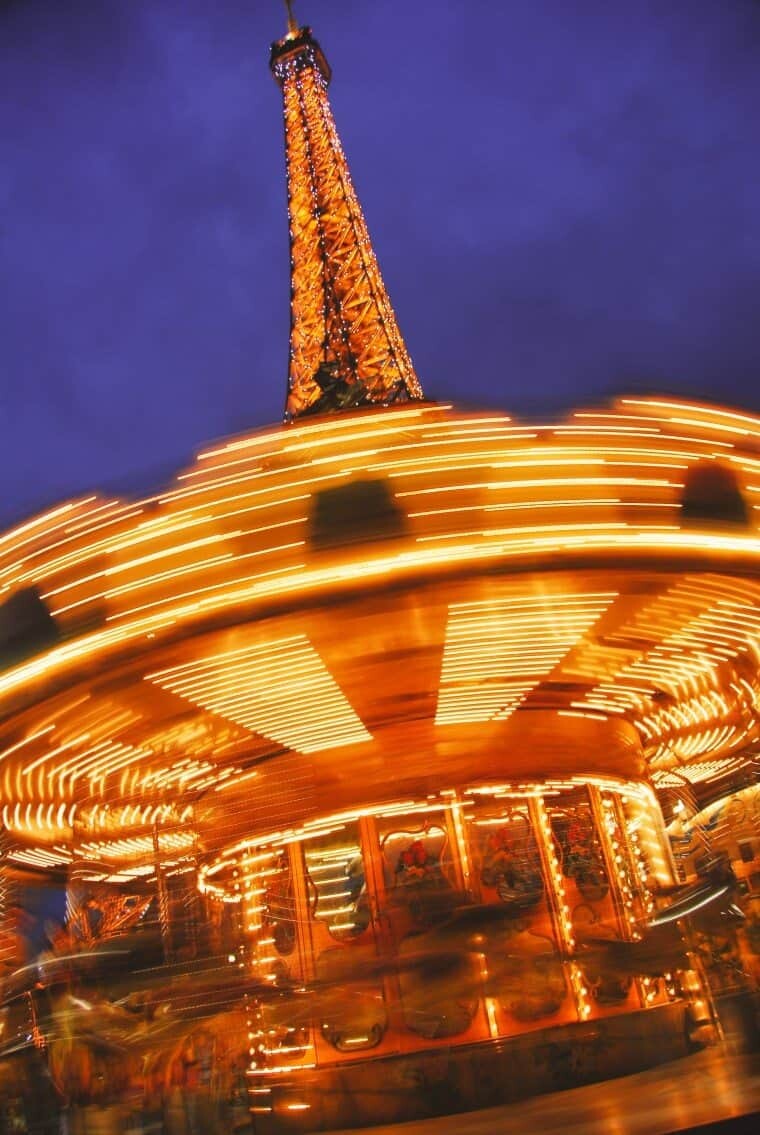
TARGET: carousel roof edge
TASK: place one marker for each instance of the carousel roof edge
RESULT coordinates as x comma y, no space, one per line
663,409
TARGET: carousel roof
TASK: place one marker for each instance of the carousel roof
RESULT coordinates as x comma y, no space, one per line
376,602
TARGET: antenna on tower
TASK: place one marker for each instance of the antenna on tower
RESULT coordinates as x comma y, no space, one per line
292,21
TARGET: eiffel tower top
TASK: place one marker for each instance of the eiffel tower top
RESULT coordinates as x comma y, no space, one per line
345,346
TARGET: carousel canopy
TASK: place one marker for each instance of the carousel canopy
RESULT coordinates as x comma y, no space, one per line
354,606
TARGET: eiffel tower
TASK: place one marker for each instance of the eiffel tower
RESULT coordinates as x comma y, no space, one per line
345,346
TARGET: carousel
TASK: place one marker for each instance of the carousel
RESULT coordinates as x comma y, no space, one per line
357,741
377,756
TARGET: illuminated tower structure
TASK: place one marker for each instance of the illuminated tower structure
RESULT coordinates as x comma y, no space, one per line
345,345
395,695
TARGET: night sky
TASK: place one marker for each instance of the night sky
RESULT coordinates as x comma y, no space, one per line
563,196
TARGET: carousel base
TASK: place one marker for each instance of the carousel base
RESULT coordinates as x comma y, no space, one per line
449,1080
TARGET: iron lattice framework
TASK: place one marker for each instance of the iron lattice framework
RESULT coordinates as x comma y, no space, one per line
345,345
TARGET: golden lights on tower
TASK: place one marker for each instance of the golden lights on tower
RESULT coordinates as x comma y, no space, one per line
345,346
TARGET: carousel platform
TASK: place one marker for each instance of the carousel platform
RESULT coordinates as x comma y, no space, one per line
715,1091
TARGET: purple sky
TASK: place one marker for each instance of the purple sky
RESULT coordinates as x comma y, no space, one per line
563,197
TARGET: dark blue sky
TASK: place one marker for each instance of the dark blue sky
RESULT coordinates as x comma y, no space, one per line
564,198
